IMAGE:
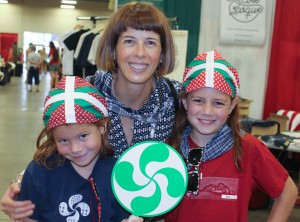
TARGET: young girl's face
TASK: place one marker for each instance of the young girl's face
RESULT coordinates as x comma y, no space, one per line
79,143
207,111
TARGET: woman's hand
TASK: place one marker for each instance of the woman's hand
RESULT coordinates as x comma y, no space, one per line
15,209
133,219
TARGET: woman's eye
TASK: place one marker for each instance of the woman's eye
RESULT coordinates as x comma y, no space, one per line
129,42
151,43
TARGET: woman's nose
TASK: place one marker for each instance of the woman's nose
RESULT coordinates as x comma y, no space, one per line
140,49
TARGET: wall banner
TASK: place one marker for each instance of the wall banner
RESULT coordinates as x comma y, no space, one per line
243,22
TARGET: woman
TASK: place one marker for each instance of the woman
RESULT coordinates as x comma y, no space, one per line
135,51
53,65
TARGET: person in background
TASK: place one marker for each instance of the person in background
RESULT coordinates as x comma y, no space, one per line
34,61
13,53
136,51
224,163
44,64
53,65
73,149
21,56
28,50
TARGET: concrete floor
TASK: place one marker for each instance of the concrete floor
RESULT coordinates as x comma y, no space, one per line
20,122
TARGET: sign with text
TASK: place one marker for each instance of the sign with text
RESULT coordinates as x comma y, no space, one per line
243,22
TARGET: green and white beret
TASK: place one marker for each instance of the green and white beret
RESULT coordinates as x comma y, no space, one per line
74,100
210,69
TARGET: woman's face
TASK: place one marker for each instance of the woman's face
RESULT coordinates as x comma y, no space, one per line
207,111
138,54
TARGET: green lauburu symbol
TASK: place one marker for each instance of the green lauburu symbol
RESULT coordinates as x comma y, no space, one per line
155,152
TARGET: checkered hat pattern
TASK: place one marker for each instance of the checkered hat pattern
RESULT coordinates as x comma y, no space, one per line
74,100
210,69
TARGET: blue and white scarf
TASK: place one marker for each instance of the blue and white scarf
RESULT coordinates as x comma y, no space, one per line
218,145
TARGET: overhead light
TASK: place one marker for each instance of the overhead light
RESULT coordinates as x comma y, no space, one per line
69,2
67,6
3,1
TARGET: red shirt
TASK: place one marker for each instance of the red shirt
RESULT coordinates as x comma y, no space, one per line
224,192
51,54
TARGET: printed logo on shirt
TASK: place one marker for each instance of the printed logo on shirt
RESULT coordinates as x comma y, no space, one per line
75,209
216,188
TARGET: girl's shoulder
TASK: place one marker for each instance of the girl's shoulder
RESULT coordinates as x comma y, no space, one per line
104,167
253,145
250,140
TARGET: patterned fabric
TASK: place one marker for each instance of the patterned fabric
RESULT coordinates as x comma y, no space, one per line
210,69
218,145
294,119
153,121
74,100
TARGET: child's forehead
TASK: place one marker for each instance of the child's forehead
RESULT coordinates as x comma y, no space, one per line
208,92
73,127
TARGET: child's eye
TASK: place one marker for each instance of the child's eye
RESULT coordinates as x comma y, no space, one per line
197,100
219,103
83,136
62,141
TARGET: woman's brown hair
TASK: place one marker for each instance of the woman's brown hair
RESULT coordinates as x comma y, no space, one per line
140,16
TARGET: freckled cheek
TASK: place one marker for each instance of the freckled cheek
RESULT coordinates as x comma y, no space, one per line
193,109
63,150
193,112
94,145
223,114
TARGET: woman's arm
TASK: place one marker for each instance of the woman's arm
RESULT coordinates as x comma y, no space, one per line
28,220
15,209
284,204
